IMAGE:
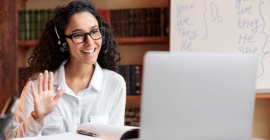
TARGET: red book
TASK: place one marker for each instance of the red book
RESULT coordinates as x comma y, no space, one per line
105,14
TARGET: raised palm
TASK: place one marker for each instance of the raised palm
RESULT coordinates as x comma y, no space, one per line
44,101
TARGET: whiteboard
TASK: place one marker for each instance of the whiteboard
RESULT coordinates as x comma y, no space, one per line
225,26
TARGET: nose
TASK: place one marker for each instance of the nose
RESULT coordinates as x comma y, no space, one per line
89,39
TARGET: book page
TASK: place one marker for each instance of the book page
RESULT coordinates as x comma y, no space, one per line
106,131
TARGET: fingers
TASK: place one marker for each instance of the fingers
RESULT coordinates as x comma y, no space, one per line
33,90
45,80
40,88
58,95
51,81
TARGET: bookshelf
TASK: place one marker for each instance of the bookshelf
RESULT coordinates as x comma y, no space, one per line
263,96
133,97
28,43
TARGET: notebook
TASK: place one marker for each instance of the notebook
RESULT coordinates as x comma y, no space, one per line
191,96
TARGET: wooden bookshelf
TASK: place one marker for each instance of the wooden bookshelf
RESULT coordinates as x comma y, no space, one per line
133,97
130,40
261,96
143,40
28,43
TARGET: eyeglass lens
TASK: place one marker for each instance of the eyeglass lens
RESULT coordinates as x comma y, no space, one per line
80,37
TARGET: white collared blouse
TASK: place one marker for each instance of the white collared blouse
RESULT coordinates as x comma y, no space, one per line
103,101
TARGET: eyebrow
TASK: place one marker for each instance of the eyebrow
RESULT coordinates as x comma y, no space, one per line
76,30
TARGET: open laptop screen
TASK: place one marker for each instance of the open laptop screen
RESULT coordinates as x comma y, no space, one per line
193,96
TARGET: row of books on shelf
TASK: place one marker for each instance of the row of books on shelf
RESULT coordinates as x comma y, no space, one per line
132,75
32,22
143,22
132,117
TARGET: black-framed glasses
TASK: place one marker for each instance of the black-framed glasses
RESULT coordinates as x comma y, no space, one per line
80,37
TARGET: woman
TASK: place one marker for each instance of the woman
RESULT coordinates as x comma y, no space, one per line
76,52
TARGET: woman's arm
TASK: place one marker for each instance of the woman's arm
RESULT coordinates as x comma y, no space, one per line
23,124
33,108
117,115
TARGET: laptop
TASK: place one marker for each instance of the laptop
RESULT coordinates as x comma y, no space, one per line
198,96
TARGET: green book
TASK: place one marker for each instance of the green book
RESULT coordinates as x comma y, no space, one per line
42,20
37,25
20,24
27,25
50,13
23,25
45,17
32,25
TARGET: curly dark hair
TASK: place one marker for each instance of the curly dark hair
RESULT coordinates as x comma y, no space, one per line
47,54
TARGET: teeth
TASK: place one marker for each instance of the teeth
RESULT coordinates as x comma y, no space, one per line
89,51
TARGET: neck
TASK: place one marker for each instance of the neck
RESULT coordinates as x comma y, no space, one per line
78,71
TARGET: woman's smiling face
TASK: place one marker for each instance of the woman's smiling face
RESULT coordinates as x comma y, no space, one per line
86,52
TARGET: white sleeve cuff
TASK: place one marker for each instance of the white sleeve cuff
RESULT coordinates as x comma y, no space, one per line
34,128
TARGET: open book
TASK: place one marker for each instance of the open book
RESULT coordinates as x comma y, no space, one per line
101,132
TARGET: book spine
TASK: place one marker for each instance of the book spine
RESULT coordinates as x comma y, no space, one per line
37,24
127,79
33,29
153,22
126,19
124,71
45,16
137,80
158,22
30,24
135,23
144,22
148,17
132,117
161,21
138,24
20,24
105,14
130,23
166,21
112,20
118,18
27,25
108,16
50,14
123,23
117,22
42,20
132,80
